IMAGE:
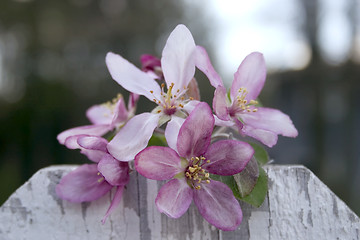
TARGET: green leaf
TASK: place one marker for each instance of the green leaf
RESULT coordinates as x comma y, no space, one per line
258,194
229,181
260,154
247,178
157,140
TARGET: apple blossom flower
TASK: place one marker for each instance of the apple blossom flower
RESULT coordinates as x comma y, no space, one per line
239,109
92,181
189,167
178,68
104,118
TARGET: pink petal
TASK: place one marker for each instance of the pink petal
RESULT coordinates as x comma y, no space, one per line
228,157
92,143
222,123
174,198
133,137
217,204
130,77
158,163
195,134
266,137
105,113
115,172
189,107
202,61
149,62
193,90
82,185
271,120
114,203
251,75
172,131
219,103
133,99
93,154
96,130
120,113
177,60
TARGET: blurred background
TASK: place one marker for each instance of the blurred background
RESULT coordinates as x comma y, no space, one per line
52,69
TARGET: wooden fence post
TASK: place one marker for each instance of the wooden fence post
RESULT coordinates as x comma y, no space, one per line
298,206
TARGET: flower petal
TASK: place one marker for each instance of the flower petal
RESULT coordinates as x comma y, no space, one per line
195,134
95,130
174,198
115,172
177,60
149,63
120,113
133,99
172,131
99,114
271,120
228,157
251,75
202,61
219,103
217,204
130,77
114,203
133,137
189,106
93,154
82,185
222,123
92,143
158,163
266,137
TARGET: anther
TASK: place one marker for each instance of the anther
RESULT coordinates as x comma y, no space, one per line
151,91
198,187
191,169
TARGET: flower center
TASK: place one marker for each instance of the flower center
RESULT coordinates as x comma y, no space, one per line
195,174
169,101
241,104
111,105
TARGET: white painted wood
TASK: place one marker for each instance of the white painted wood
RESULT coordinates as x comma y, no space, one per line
298,206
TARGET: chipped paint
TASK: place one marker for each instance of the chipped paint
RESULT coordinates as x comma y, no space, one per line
298,206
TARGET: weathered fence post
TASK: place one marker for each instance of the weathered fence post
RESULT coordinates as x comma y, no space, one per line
298,206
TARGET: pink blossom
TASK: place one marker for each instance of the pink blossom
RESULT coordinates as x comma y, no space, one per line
188,168
104,118
239,109
92,181
178,68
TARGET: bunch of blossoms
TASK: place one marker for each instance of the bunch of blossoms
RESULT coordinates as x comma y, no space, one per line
199,156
